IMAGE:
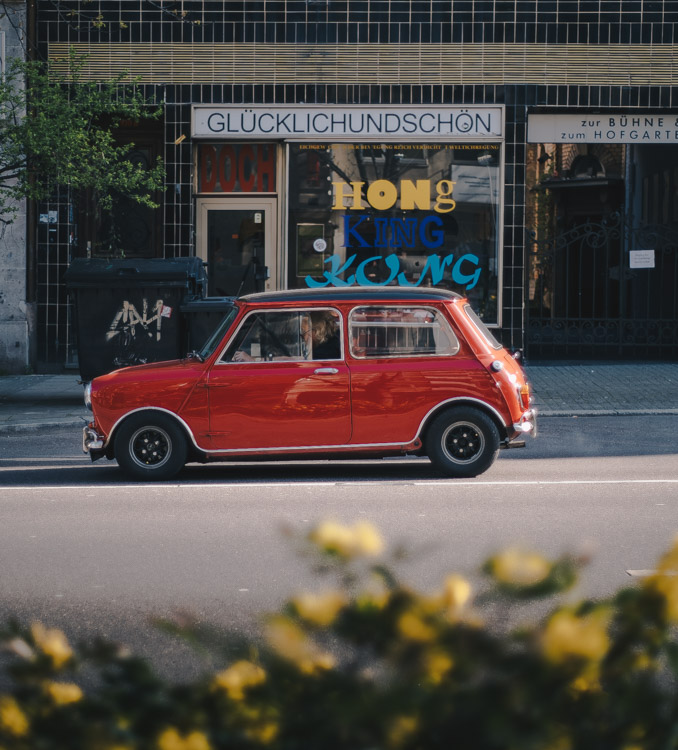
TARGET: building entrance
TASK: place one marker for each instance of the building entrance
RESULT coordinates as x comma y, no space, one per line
236,238
604,289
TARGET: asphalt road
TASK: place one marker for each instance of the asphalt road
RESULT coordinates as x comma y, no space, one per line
82,548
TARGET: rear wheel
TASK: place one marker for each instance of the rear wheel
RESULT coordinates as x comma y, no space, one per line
462,442
150,446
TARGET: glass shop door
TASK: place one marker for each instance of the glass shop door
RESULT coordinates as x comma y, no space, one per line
236,238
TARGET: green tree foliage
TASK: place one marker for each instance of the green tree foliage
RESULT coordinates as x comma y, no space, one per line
369,663
57,131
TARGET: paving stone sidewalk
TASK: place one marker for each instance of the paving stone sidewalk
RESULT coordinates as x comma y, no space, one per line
35,402
602,388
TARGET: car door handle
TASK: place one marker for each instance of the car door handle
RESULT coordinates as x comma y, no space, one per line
326,371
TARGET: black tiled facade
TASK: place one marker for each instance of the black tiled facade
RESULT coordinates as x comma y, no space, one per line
349,22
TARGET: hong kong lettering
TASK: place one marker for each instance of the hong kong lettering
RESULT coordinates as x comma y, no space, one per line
370,230
393,231
464,271
382,195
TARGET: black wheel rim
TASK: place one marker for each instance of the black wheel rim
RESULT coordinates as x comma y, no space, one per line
150,447
463,442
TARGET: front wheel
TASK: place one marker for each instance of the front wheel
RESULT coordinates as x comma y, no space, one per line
150,447
462,442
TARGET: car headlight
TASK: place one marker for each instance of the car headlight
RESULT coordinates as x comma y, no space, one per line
88,396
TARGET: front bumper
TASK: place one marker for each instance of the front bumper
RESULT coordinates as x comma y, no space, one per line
92,443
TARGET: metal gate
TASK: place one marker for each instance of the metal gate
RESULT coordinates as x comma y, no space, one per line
592,295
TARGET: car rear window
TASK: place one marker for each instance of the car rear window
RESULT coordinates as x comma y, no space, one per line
380,331
484,330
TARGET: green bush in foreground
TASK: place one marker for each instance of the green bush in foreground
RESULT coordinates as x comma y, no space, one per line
373,665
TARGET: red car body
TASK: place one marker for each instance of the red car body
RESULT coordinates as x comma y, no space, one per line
411,371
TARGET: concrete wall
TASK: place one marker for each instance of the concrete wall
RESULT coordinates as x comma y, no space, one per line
14,327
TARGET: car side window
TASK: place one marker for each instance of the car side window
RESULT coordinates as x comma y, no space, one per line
325,334
378,331
286,335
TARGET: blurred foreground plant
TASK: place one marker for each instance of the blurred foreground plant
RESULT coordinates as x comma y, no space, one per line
369,663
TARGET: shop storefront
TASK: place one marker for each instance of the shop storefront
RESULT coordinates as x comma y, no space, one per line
359,143
603,246
296,196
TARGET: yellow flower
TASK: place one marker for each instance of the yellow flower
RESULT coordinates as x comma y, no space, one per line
567,635
170,739
456,592
372,599
437,664
63,693
12,719
413,627
666,584
241,675
263,733
665,581
368,541
588,680
333,537
319,609
559,743
401,729
643,662
345,541
516,567
290,642
375,595
53,643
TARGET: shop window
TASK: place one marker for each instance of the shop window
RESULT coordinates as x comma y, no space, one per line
129,230
411,214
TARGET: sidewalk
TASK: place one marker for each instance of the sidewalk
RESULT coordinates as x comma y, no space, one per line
37,402
602,388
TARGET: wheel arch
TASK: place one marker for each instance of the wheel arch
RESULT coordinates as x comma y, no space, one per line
192,445
475,403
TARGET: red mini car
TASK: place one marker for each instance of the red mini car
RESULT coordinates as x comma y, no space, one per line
353,372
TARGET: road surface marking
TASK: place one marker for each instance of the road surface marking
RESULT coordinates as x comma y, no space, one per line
343,484
647,573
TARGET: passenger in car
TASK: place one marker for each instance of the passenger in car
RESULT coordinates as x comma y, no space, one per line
281,335
325,335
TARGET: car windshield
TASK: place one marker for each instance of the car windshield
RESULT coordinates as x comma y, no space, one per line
478,323
218,334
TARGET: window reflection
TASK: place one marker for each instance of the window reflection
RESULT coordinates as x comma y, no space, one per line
392,214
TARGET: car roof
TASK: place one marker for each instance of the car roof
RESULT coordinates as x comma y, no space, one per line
354,294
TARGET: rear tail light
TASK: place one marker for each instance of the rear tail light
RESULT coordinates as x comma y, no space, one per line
524,393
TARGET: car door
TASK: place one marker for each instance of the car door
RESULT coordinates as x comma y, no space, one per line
267,392
405,360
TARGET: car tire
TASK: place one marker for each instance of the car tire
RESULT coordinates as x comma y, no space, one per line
150,446
462,442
